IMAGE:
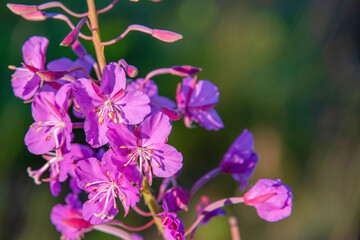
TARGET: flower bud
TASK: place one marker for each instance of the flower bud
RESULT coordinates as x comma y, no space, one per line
21,9
177,199
185,71
70,38
166,36
50,76
35,16
131,71
271,198
173,115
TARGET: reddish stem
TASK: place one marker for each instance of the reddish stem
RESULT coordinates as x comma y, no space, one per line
141,212
212,207
135,229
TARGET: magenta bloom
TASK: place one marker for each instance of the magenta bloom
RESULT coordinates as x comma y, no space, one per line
52,127
240,160
177,199
108,103
68,218
271,198
173,226
25,81
104,183
147,145
196,101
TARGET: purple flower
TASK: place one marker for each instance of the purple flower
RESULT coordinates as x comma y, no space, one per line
104,183
108,103
147,145
196,101
177,199
68,218
52,127
240,160
271,198
173,226
25,81
202,204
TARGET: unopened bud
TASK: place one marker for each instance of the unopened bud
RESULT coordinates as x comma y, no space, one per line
185,71
173,115
131,71
166,36
35,16
70,38
73,35
21,9
50,76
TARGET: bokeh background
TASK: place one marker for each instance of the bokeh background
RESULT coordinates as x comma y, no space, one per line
287,70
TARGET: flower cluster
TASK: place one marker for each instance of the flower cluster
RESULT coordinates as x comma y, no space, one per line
127,124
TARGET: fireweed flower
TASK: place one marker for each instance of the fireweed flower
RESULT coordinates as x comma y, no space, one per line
25,81
196,102
147,145
104,183
52,127
240,160
68,218
271,198
108,103
177,199
173,226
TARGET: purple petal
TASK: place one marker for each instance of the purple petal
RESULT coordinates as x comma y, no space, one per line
90,208
150,88
113,80
88,171
155,129
134,107
60,64
85,95
38,141
210,119
62,96
25,83
167,161
205,94
34,52
120,136
95,132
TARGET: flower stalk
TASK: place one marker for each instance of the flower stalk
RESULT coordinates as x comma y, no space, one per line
150,201
96,34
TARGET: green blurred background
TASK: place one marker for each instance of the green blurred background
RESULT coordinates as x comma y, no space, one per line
288,70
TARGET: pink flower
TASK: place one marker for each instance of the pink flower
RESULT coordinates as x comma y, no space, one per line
240,160
68,218
271,198
146,147
108,103
196,102
25,81
104,183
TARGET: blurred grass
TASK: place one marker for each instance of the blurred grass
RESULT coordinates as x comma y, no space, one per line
287,70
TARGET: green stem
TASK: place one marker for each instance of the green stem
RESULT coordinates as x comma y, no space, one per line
96,34
150,201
